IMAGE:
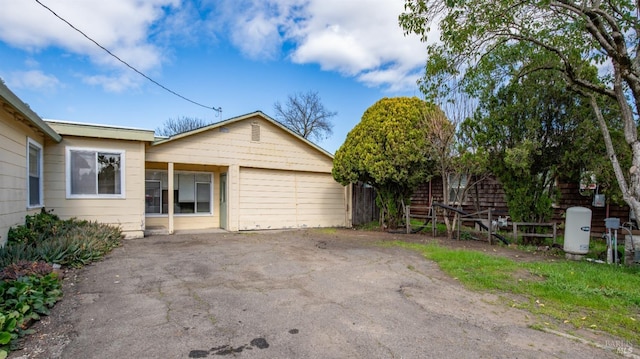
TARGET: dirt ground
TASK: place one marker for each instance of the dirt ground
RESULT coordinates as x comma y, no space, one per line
291,294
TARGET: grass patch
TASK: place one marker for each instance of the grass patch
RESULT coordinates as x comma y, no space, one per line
586,295
327,230
418,224
370,226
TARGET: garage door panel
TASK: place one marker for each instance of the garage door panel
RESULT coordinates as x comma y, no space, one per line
281,199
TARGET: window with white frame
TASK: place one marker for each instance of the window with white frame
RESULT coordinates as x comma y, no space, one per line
34,174
93,173
192,193
457,185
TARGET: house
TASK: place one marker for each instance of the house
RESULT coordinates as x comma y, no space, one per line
245,173
96,173
22,139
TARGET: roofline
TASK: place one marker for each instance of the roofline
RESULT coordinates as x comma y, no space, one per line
50,120
80,129
26,111
241,118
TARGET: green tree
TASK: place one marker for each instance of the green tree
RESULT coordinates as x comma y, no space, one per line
304,114
575,35
390,150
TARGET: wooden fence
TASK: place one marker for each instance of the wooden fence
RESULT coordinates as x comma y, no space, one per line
364,205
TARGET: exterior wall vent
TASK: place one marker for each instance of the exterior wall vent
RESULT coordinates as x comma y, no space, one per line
255,132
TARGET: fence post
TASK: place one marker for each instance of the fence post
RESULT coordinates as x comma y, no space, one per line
434,218
407,218
490,227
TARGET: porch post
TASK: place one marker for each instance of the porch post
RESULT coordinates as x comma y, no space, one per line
170,194
233,196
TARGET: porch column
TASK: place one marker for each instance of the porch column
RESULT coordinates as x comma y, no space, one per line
170,195
233,197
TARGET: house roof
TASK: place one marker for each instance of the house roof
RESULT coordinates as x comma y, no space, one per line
232,120
101,131
29,117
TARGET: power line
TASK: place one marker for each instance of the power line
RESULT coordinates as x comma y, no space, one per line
219,109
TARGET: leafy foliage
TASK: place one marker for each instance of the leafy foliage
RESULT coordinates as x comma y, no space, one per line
29,288
37,227
304,114
46,238
563,38
390,150
529,126
24,300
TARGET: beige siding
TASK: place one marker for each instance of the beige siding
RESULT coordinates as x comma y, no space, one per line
127,212
232,144
182,223
254,201
273,199
13,171
321,201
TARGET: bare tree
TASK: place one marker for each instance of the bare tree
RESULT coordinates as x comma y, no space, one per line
174,126
460,166
304,114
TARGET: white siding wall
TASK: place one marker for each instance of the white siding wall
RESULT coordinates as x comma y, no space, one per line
128,212
13,172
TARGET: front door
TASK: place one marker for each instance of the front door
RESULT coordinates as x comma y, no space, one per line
223,200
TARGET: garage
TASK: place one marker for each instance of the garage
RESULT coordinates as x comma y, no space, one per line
278,199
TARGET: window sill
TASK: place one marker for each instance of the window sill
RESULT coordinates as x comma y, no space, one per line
179,215
96,197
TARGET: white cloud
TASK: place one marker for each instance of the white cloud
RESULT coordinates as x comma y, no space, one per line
122,26
395,78
359,38
112,83
33,79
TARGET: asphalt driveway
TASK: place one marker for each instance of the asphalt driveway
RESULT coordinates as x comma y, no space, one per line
291,294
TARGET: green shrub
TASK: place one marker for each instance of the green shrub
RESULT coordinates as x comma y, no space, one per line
36,228
16,252
30,288
22,301
70,243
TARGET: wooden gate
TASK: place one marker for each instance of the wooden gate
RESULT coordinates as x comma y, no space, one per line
365,209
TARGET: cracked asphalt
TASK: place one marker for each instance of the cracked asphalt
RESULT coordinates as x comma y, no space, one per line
287,294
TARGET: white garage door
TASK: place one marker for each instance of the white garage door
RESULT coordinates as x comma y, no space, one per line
273,199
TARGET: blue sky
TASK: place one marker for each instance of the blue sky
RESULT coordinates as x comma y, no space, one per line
242,56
